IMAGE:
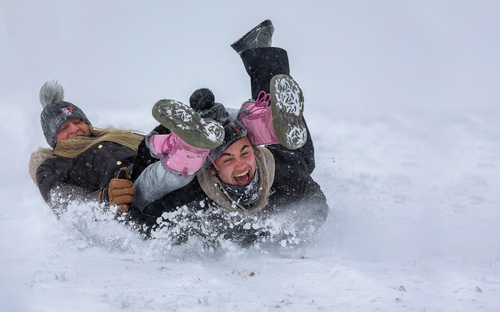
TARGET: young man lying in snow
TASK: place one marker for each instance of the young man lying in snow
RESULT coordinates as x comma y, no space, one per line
255,164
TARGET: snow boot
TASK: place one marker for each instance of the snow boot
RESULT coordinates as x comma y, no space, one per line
177,155
257,118
281,121
287,106
188,125
258,37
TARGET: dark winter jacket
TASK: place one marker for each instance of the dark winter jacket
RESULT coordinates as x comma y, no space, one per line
62,180
293,189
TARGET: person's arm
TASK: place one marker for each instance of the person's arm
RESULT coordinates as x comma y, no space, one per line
58,193
55,191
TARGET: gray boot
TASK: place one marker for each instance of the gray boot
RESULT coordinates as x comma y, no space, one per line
188,125
287,106
258,37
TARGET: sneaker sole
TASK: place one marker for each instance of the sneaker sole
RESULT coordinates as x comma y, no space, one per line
287,104
188,125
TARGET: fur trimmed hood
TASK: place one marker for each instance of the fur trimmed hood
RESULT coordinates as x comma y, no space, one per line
212,186
36,159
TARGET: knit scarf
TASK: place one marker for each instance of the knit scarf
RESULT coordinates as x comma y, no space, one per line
244,195
233,197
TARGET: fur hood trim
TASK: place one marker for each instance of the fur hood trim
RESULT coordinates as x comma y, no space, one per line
212,186
36,159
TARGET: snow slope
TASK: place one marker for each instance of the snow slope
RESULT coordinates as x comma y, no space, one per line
402,103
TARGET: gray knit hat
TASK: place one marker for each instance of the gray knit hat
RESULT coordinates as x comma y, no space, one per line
56,111
203,102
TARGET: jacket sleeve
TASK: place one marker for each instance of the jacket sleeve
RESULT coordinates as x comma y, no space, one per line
296,194
56,192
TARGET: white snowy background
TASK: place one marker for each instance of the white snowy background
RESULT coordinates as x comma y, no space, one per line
402,99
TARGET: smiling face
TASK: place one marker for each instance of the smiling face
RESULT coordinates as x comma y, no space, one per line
73,128
237,163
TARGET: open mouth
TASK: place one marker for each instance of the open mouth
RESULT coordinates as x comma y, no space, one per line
242,178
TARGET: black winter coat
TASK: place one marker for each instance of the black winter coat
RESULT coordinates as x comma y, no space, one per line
61,180
293,189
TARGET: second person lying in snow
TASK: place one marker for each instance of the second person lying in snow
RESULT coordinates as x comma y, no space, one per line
255,162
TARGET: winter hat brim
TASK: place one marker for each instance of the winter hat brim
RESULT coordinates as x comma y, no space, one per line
233,131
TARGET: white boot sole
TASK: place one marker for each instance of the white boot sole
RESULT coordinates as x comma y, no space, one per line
287,104
188,125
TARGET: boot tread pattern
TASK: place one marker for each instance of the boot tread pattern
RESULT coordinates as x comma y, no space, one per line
187,124
287,103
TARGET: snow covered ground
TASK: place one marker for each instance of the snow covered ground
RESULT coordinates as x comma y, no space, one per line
403,105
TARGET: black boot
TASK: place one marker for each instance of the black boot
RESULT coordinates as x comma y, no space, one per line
260,36
262,64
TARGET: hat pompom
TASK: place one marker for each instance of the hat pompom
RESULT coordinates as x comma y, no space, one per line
202,99
51,92
203,102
